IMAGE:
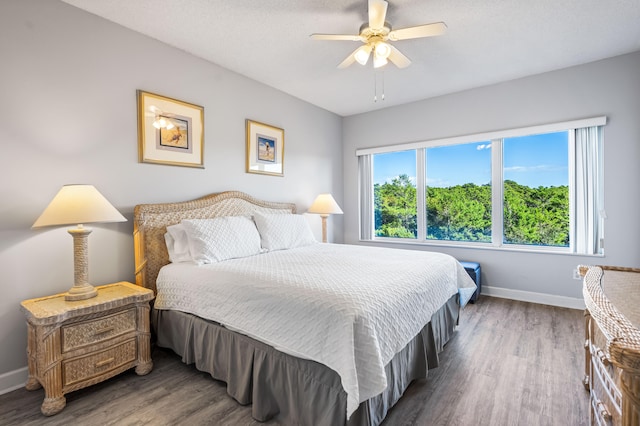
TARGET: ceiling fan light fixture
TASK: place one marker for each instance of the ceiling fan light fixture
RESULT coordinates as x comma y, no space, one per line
382,50
376,34
363,53
379,62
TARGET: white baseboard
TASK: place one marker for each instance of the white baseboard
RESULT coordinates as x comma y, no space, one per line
13,380
529,296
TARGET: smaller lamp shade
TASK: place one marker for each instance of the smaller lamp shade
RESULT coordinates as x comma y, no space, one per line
325,204
379,61
363,53
383,50
78,204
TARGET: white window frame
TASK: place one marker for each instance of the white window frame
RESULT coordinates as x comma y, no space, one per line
497,198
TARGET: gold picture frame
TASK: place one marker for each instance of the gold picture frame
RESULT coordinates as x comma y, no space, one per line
170,131
265,149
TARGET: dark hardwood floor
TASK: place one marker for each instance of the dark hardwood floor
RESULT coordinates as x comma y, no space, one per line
510,363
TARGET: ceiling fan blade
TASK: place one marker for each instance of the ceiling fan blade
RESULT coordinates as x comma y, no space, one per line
339,37
377,14
427,30
399,59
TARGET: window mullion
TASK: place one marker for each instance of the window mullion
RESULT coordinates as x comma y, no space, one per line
497,193
571,139
421,187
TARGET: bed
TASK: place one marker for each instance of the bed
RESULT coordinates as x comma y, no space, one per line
297,331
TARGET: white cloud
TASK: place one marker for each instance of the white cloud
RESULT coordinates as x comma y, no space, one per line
538,168
390,179
438,183
482,146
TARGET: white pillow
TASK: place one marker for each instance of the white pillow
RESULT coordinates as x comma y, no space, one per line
283,231
177,243
221,238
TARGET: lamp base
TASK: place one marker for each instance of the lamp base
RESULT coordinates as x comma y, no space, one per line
324,227
81,289
81,292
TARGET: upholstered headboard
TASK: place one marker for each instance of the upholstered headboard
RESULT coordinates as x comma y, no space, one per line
150,223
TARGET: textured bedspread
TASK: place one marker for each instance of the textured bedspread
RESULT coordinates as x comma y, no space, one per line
351,308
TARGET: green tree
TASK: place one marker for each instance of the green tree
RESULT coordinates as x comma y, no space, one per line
459,213
535,216
396,208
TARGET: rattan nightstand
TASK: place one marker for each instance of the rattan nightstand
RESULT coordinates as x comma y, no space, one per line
76,344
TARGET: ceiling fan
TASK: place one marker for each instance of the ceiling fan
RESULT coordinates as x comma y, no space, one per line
375,35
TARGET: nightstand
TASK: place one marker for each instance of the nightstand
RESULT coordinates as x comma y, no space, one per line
74,344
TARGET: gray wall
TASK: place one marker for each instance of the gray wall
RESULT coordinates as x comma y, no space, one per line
609,87
68,115
68,85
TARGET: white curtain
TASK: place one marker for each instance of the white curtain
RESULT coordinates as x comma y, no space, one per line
589,205
365,183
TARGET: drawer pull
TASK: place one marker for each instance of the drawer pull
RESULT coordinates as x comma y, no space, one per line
104,362
603,359
603,413
103,331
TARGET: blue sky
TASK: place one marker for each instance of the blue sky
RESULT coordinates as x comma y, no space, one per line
538,160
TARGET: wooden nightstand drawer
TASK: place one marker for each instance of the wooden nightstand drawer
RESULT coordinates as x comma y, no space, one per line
97,330
96,364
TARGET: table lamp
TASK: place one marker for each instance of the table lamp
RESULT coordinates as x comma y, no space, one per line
79,204
324,205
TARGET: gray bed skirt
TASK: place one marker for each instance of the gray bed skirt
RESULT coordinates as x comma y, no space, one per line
290,389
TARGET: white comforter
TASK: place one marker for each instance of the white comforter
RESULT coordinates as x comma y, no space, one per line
351,308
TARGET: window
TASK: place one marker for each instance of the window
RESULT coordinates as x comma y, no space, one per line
394,192
458,192
539,187
536,189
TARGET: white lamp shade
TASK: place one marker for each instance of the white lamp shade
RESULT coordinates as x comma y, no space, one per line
363,53
325,204
383,50
78,204
379,61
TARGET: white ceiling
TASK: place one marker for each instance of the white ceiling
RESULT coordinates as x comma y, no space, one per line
487,41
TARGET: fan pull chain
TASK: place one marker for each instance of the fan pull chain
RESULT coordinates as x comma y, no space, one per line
375,87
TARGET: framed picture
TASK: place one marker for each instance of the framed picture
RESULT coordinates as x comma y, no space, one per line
265,149
170,131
